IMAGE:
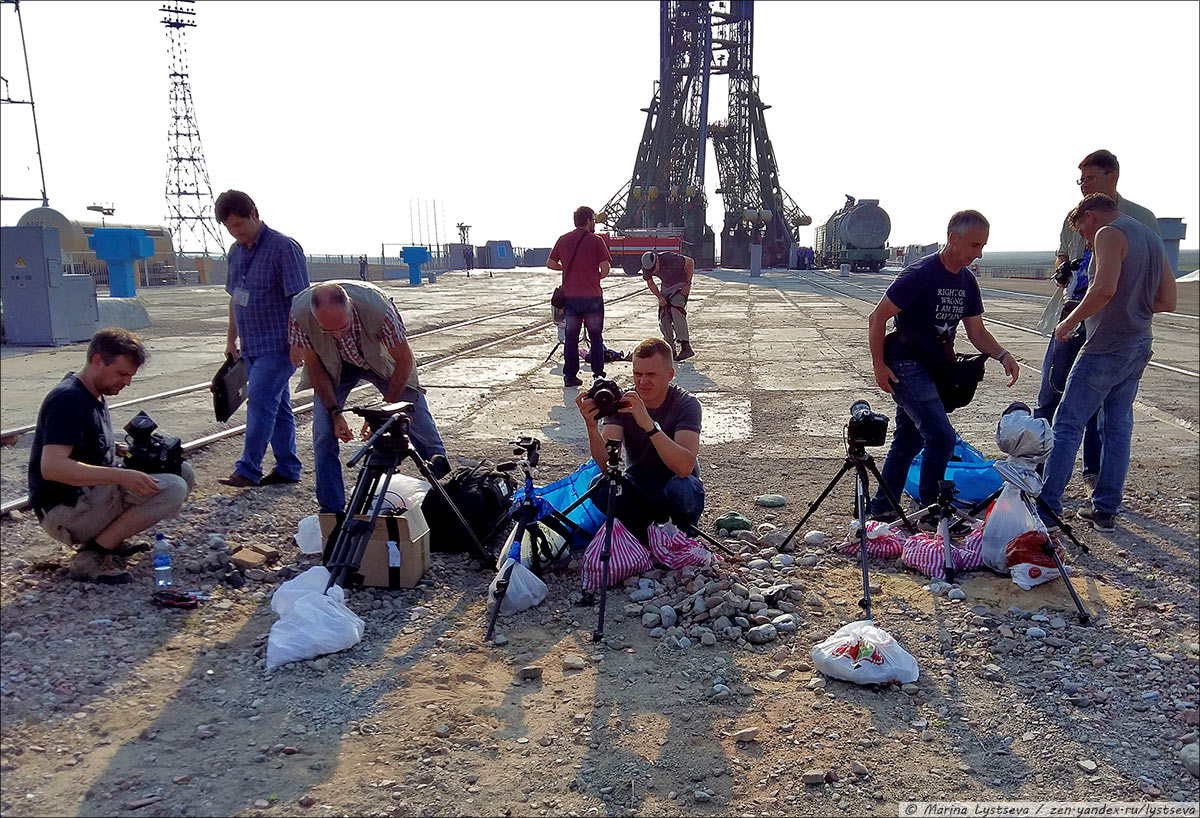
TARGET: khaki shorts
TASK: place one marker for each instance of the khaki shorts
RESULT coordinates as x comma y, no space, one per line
95,510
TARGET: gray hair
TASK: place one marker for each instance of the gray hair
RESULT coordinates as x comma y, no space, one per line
329,295
965,220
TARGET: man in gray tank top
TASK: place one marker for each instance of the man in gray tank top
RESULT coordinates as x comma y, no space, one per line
1131,281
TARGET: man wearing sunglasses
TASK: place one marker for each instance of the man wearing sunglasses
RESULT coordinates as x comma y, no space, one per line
347,332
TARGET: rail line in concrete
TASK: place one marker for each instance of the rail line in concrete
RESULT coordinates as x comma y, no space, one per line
234,431
880,292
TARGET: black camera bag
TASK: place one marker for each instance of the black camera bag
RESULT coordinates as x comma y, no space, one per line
483,495
956,375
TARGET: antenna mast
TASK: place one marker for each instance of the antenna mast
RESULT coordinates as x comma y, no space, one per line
7,99
189,192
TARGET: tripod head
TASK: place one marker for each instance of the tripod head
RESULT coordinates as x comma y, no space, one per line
613,464
389,428
527,447
946,492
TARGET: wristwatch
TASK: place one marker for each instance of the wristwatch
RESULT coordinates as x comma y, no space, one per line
655,429
335,410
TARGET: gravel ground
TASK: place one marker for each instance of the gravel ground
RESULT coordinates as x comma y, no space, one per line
113,707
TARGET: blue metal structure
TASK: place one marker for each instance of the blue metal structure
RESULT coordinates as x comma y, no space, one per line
120,248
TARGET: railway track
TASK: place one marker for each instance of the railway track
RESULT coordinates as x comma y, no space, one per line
466,351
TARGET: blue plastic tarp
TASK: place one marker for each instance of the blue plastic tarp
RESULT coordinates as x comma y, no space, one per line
562,493
972,473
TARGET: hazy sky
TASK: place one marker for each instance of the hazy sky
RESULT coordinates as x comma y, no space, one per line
333,116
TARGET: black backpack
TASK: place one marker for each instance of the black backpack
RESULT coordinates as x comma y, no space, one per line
483,495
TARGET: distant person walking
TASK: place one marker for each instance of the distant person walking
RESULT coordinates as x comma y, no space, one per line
675,271
587,262
362,267
469,258
266,269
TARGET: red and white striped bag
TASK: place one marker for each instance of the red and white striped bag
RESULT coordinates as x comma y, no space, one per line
627,558
925,553
674,549
881,540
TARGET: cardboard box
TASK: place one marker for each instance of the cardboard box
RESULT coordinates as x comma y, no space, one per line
411,533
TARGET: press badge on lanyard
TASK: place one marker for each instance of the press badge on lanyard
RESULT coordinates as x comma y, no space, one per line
241,296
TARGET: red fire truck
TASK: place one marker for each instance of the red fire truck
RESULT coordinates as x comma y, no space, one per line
627,246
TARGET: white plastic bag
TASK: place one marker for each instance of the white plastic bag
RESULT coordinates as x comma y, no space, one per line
318,623
525,588
864,654
313,580
308,535
403,493
1009,518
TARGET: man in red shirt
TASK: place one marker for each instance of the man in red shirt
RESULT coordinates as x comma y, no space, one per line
583,259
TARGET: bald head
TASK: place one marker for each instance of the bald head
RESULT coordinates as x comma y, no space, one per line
331,306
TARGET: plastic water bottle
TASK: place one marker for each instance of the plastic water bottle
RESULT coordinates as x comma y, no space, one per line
162,562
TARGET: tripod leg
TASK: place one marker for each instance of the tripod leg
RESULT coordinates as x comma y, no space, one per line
846,466
480,552
948,572
1084,616
605,553
861,488
552,351
1066,529
346,554
984,503
502,587
891,498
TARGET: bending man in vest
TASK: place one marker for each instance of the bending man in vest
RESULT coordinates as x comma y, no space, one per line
347,332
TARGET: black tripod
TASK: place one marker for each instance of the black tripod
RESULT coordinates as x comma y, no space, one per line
1033,503
944,511
387,446
861,463
529,510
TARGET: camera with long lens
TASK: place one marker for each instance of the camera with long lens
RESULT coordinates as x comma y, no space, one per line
527,447
149,452
1064,271
607,395
866,428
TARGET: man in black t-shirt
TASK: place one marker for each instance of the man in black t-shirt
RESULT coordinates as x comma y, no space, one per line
675,271
927,301
79,495
660,425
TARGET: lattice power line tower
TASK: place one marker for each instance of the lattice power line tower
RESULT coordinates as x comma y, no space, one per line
189,192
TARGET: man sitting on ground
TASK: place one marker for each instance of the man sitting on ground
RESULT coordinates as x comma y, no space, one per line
660,425
79,495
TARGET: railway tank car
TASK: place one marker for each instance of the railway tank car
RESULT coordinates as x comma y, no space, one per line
856,234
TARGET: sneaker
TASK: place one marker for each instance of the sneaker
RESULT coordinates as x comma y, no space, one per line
90,565
572,381
1090,479
685,352
1101,521
888,516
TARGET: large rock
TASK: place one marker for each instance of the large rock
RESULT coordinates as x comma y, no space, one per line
761,634
1190,756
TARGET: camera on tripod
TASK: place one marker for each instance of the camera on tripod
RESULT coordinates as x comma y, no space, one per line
149,452
1064,271
866,428
607,395
527,447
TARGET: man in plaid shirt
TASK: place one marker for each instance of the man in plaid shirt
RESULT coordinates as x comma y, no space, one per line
266,270
347,332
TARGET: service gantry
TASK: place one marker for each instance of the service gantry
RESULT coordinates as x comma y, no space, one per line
698,41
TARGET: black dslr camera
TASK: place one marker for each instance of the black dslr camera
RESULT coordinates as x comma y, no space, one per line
1064,271
866,428
149,452
607,395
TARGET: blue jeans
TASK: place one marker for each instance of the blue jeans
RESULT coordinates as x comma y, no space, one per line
1107,381
680,499
921,423
1056,366
331,486
269,417
581,311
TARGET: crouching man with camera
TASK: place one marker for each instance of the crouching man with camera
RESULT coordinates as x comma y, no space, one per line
659,423
79,494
